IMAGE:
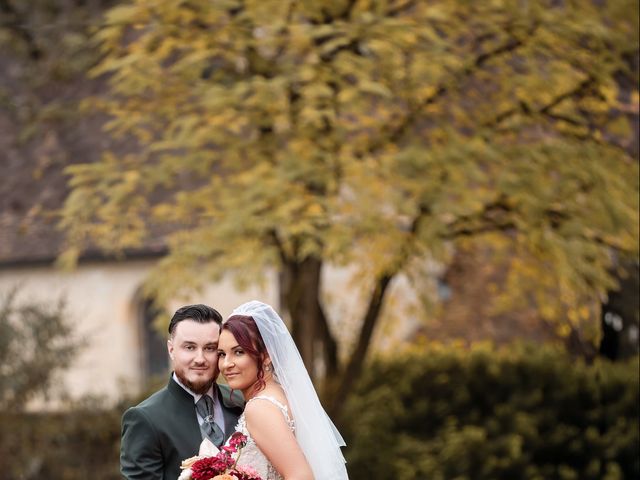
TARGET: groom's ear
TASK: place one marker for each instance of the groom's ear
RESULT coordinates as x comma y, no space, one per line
170,348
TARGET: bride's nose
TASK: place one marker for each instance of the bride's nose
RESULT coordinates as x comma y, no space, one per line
226,363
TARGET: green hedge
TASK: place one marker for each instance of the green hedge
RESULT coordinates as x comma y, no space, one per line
83,444
525,413
433,414
79,444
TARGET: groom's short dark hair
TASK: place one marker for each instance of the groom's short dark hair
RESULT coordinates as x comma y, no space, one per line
198,313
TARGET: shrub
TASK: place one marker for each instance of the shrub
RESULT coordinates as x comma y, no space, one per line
66,446
522,413
36,343
78,444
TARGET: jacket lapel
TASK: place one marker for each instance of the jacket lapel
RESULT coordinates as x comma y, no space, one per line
186,413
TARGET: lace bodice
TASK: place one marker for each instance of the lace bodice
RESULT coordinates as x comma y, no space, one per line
251,455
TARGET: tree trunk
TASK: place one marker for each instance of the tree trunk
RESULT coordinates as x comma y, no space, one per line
328,344
300,298
299,294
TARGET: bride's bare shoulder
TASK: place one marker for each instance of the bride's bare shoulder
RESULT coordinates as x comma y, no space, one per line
268,400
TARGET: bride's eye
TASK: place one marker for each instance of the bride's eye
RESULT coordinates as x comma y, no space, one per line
238,351
220,353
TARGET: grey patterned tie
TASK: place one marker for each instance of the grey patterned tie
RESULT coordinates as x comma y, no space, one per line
204,407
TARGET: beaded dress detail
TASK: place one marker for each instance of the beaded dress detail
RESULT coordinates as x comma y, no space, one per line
250,455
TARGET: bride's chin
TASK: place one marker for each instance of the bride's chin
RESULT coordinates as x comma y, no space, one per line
234,383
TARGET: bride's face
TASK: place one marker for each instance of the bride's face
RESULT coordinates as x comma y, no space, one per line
237,366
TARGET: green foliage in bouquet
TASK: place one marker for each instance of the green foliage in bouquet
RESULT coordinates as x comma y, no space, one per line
525,413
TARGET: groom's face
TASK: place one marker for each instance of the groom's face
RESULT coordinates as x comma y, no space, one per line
193,349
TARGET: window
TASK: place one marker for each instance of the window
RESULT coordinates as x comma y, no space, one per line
154,356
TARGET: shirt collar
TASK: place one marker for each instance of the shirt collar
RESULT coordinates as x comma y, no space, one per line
196,396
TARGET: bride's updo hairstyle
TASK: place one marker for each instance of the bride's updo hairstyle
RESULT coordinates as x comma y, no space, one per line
246,333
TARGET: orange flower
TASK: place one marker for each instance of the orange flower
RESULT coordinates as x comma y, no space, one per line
189,461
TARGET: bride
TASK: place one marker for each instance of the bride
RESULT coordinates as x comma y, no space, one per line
289,434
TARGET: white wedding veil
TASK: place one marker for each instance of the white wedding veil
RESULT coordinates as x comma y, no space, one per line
316,434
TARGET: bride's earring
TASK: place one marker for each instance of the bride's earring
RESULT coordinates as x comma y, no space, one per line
267,368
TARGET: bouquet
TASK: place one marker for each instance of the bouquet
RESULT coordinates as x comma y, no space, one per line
214,464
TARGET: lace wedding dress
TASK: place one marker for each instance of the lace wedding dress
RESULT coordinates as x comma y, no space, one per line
250,455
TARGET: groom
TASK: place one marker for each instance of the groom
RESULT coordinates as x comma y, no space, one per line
169,426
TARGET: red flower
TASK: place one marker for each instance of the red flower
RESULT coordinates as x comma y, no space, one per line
209,467
237,440
245,473
223,463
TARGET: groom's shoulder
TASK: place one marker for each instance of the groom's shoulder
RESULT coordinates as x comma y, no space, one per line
155,397
153,401
231,398
144,413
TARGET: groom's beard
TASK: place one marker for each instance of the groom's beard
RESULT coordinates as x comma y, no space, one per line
199,388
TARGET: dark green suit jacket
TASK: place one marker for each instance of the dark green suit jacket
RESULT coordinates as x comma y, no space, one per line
163,430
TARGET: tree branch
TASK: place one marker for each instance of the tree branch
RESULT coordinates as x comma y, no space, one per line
356,360
330,346
493,218
399,131
358,355
577,90
400,8
346,13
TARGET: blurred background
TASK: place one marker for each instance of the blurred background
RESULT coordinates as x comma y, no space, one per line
441,199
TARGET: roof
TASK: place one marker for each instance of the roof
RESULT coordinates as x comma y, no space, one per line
41,133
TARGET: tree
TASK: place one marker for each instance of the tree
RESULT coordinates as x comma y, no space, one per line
373,134
44,47
36,343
